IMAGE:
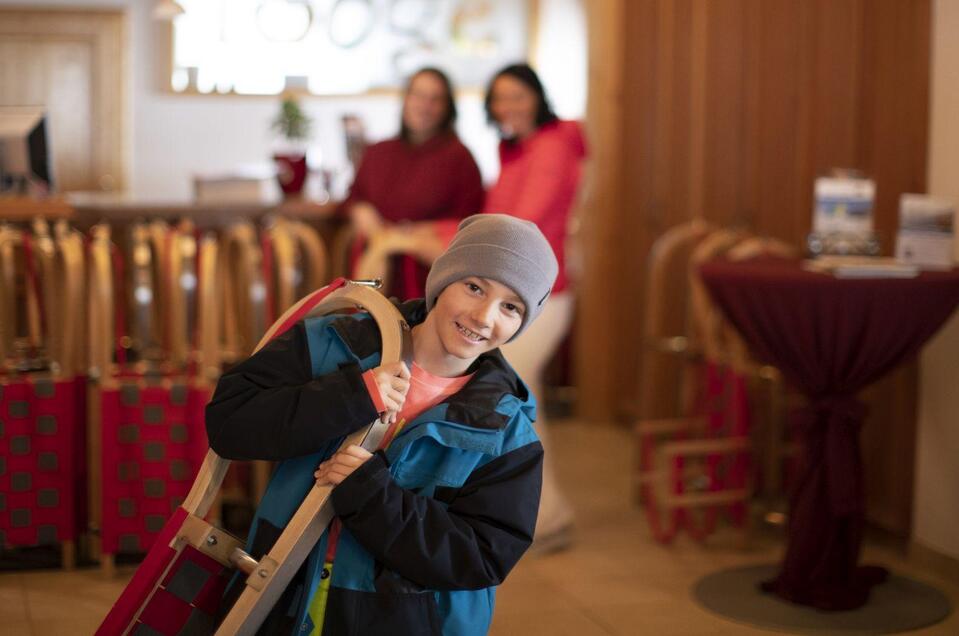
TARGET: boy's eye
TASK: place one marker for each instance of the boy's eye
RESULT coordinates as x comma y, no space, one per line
513,309
473,287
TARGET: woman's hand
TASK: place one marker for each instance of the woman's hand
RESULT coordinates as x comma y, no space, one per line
365,219
393,383
341,465
421,241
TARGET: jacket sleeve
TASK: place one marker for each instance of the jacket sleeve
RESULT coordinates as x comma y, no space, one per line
471,544
271,407
552,167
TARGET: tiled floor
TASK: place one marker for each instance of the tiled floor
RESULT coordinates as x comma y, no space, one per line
614,581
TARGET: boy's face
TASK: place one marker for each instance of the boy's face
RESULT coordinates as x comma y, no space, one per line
475,315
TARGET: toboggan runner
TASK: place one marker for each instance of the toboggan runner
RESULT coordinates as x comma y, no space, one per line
178,587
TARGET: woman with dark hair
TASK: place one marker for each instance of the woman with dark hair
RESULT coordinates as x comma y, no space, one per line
423,174
540,168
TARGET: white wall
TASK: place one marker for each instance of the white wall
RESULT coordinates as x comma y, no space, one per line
171,137
936,503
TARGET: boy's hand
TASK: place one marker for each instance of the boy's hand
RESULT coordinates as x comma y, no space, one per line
341,465
393,382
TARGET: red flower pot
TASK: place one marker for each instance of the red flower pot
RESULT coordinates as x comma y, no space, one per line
291,173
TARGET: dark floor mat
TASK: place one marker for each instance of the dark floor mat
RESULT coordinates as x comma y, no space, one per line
898,605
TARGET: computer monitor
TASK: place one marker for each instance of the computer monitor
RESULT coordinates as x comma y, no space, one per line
24,158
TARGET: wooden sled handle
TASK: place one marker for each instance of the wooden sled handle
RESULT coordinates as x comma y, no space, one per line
268,577
351,296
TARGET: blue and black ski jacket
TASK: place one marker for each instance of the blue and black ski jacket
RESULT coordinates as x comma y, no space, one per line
431,525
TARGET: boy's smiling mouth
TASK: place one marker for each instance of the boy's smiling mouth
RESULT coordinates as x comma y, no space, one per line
470,335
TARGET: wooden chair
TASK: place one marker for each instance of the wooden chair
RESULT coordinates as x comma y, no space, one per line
377,259
147,438
681,458
102,372
668,349
667,345
40,390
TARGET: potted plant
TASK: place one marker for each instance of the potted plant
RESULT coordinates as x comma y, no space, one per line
294,126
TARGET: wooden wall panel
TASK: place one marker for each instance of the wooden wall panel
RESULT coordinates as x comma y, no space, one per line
725,110
601,346
780,188
893,149
837,51
601,214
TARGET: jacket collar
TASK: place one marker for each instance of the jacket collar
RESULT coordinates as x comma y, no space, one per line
476,403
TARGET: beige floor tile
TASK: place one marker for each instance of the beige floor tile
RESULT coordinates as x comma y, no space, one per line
13,602
666,618
524,592
78,626
81,595
10,580
621,590
16,628
552,623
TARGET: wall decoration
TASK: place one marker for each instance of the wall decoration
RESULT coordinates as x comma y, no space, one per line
341,47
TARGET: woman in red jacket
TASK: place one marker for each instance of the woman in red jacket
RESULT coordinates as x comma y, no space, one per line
540,169
424,174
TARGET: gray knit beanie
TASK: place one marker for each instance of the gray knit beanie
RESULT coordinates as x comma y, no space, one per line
503,248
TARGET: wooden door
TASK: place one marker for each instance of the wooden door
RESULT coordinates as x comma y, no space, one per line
72,64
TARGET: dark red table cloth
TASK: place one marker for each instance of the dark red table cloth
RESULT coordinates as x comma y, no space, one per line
831,338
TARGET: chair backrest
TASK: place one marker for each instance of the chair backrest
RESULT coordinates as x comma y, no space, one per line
37,327
8,302
46,282
20,331
341,251
140,294
73,265
299,258
374,262
101,306
59,266
246,291
707,318
313,256
181,283
209,310
666,318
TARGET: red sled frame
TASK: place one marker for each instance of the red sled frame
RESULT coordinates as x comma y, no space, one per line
160,594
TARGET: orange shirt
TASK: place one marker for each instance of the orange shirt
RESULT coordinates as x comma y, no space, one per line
426,390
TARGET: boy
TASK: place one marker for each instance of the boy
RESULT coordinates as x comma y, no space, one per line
429,527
